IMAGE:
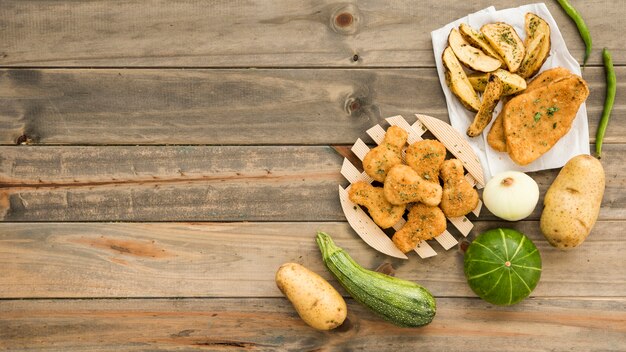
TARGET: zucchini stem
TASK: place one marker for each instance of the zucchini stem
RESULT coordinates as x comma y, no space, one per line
326,244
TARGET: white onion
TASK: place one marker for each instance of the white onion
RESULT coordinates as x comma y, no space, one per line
511,195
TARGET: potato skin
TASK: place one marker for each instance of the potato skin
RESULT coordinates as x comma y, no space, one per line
316,301
572,203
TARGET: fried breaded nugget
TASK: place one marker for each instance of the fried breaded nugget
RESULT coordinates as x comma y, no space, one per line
423,223
380,159
382,212
535,121
459,197
403,185
496,137
426,157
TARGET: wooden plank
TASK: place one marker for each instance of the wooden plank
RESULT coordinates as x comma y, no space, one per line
202,183
58,260
165,183
272,325
304,106
207,106
244,34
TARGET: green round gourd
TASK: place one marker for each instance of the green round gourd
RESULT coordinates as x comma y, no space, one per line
502,266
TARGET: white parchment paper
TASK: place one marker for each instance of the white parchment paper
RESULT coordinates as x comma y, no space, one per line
575,142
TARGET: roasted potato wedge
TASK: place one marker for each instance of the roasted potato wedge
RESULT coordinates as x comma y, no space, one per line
478,80
477,39
492,95
470,56
505,41
512,83
537,45
458,82
532,60
535,25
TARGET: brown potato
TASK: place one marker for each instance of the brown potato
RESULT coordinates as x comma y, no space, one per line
316,301
572,203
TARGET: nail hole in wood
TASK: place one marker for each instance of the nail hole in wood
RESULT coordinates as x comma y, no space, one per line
463,246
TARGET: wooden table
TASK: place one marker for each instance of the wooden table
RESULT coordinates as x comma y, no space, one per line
161,159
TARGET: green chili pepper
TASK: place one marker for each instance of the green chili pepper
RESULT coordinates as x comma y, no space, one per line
611,84
580,23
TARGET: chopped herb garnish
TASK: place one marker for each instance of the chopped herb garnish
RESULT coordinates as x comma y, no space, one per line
430,155
533,26
506,37
536,101
537,116
554,126
552,110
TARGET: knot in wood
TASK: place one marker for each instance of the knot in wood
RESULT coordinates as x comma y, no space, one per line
23,139
345,19
353,105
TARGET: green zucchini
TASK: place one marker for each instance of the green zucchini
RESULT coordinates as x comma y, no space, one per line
401,302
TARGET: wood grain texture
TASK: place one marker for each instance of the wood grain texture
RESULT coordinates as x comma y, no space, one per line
207,106
243,107
461,324
203,183
240,259
260,101
161,183
244,34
